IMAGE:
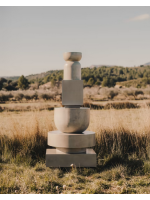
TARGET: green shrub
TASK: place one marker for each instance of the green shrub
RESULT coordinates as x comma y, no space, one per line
23,83
93,106
27,97
19,96
4,97
137,92
45,96
123,105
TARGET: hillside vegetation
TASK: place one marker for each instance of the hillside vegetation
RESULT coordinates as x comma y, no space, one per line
104,76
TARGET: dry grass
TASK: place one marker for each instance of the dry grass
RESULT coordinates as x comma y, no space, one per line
23,136
114,105
49,105
97,93
29,95
122,147
123,131
34,106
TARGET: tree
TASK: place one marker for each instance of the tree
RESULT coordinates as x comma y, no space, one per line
105,82
47,79
53,82
1,85
112,82
108,82
23,83
59,78
120,71
129,77
2,80
97,83
90,81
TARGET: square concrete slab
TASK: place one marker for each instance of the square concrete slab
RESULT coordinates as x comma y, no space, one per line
56,159
72,92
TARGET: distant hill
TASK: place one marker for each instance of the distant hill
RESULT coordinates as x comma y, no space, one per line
13,78
146,64
44,74
32,76
92,66
104,75
101,70
41,75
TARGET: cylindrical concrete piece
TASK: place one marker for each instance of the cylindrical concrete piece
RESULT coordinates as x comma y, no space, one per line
72,56
71,140
72,120
72,70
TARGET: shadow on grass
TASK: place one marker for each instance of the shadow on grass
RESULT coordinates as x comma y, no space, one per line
133,166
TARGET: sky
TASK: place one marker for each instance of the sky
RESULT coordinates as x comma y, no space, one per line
33,39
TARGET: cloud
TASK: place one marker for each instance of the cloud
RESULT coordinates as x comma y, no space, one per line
140,17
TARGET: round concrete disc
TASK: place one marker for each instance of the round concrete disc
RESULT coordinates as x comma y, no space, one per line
71,140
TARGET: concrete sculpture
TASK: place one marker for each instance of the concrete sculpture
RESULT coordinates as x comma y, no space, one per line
72,143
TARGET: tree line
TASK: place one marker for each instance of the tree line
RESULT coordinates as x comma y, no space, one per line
104,76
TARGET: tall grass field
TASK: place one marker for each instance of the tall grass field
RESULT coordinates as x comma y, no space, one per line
122,148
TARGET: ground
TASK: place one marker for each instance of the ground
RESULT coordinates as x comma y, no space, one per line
123,164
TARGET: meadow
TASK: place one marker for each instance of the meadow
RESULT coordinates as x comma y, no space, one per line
122,147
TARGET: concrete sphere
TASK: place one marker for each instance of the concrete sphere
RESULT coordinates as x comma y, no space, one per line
72,70
72,120
72,56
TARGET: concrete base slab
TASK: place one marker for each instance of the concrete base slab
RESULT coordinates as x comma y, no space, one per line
55,158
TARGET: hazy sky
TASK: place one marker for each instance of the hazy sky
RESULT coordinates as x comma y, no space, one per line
33,39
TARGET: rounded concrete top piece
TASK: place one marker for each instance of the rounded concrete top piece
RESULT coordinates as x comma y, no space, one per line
72,56
69,140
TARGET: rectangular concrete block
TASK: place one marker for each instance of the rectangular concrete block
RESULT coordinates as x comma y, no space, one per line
72,92
56,159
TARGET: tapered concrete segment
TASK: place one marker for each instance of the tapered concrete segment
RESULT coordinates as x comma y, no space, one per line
72,70
72,92
71,140
72,120
55,159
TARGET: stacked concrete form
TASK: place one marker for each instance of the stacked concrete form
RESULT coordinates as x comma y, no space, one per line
73,144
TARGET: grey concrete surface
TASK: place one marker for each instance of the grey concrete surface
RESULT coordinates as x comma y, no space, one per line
71,150
71,140
72,120
72,70
72,56
55,159
72,92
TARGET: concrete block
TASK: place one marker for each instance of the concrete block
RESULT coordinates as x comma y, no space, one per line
72,92
71,140
56,159
72,120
